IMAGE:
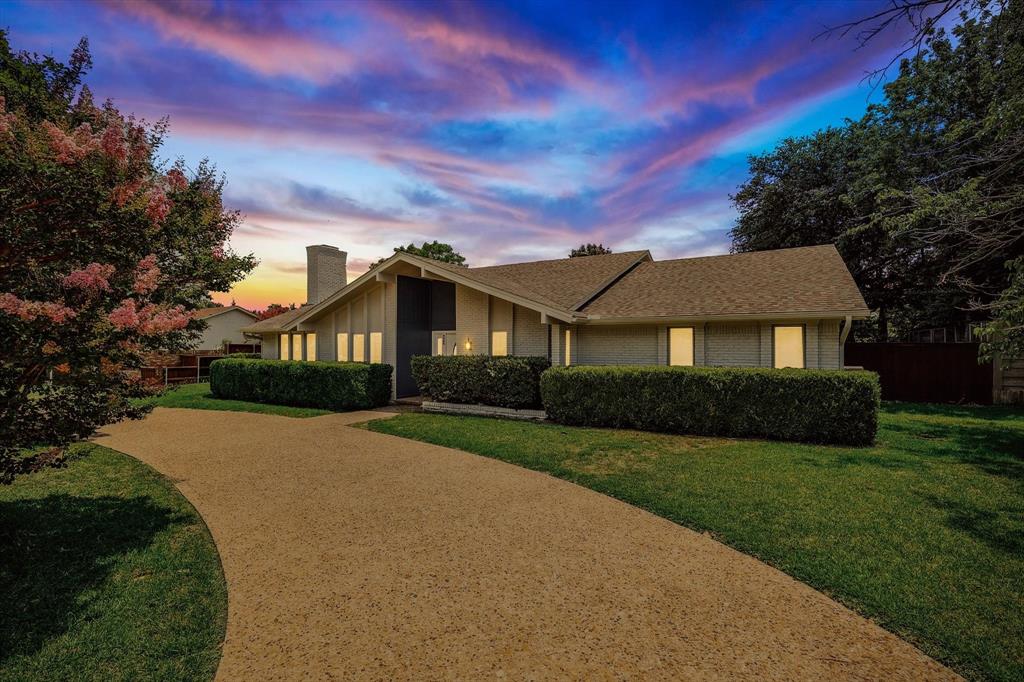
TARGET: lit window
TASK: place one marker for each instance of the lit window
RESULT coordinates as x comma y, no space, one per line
343,347
358,348
440,345
376,346
789,346
680,346
296,346
284,346
568,347
499,343
310,347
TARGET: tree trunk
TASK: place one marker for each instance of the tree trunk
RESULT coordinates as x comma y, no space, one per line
883,325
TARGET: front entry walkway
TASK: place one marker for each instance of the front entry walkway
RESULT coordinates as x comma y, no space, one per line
352,554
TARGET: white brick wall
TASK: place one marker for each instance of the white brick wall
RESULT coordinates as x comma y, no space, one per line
268,348
616,345
828,344
471,319
529,336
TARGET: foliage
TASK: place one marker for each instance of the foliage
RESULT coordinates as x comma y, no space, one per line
434,250
921,533
817,406
338,386
273,310
103,254
199,397
924,195
481,379
108,573
245,356
589,250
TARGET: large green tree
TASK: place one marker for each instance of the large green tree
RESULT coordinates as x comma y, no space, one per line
104,253
434,250
924,195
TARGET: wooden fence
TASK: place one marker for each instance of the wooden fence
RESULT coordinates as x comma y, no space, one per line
926,372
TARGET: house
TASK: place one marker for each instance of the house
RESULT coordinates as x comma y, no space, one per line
784,308
223,323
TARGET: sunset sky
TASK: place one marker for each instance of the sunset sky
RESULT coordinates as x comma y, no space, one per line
513,131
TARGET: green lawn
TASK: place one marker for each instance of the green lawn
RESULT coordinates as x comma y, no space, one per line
106,573
923,532
198,397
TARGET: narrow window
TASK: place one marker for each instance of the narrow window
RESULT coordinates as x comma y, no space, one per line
568,347
440,345
789,346
283,346
376,346
296,346
499,343
310,347
342,347
358,347
680,346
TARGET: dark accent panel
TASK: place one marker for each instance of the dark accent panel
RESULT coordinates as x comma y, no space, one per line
926,372
442,305
413,324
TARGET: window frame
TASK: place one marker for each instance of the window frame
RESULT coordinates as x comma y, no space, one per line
499,331
693,345
305,345
803,344
379,348
360,346
568,347
339,344
285,348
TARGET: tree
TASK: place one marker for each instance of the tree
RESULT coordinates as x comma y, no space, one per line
104,254
434,250
589,250
273,310
924,195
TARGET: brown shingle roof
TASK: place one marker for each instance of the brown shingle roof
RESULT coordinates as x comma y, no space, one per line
811,279
565,283
275,323
217,310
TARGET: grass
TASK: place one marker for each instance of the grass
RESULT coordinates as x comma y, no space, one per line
106,573
923,532
198,397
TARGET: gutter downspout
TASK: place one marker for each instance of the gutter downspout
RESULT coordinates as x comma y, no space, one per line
842,341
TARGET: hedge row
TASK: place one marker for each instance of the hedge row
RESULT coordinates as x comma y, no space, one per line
818,406
328,385
245,356
480,379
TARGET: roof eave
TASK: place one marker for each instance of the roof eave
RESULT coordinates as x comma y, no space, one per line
857,314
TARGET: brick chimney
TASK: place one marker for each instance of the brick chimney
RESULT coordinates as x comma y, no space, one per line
325,271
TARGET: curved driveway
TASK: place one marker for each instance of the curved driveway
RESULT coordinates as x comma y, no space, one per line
352,554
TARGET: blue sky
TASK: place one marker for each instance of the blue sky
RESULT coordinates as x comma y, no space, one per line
514,131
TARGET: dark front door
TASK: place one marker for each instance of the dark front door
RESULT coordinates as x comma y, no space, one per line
413,331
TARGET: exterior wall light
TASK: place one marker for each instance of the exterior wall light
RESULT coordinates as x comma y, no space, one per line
469,345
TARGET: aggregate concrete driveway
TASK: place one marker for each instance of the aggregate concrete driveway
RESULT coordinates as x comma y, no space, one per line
352,554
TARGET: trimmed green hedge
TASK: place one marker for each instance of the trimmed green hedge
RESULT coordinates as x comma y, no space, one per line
245,356
817,406
480,379
328,385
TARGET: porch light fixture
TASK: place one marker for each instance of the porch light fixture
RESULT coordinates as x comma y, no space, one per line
469,345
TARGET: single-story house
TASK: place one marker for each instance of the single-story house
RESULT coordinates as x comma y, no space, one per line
224,323
784,308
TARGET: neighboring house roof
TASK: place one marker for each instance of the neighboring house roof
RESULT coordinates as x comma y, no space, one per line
565,283
811,279
204,313
629,286
277,323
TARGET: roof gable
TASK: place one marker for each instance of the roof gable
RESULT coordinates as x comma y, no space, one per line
204,313
812,280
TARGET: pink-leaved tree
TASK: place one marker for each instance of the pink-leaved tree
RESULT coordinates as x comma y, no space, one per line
104,252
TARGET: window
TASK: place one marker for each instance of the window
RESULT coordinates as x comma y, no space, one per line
376,346
680,346
283,347
310,347
499,343
358,347
296,346
343,347
568,347
788,344
440,345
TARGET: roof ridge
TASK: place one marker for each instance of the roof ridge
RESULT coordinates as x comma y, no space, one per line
745,253
557,260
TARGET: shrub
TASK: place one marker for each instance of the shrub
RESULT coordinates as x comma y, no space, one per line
819,406
245,356
328,385
500,381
